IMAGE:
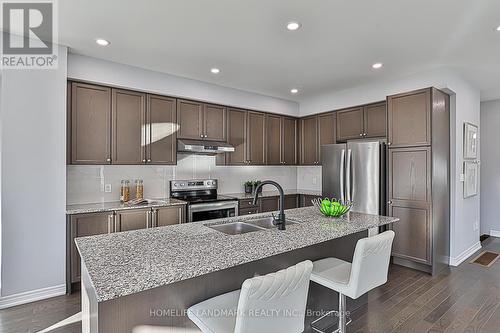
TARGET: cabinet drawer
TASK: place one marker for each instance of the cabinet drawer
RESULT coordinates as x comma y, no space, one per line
249,211
248,203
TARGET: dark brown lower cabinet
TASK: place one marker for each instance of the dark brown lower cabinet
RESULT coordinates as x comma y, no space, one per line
168,216
269,204
291,201
413,233
133,219
305,200
82,225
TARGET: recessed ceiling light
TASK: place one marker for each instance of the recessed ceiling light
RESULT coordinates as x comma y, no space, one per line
102,42
294,90
215,70
498,28
377,65
292,26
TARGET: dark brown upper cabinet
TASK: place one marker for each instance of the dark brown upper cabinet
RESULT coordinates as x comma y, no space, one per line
350,124
237,136
375,120
409,119
289,140
369,121
309,154
281,140
128,127
316,131
274,140
256,138
201,121
214,122
161,130
90,131
326,130
190,118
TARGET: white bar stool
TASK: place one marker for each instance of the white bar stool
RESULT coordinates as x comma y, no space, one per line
271,303
369,269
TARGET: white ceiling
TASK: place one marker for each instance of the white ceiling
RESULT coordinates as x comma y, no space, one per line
335,48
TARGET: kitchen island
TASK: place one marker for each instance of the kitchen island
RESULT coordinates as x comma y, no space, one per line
152,276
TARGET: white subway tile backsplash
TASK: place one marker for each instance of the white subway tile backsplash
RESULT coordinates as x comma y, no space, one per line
85,183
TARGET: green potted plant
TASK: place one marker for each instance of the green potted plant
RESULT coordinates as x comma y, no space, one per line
248,186
255,184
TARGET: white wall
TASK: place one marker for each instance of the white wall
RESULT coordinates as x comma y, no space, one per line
490,168
85,183
107,72
465,213
33,157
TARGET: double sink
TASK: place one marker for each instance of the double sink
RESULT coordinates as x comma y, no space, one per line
238,228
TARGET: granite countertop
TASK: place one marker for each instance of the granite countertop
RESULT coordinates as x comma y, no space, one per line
243,195
112,206
125,263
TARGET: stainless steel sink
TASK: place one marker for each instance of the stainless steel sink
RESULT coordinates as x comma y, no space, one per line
235,228
266,222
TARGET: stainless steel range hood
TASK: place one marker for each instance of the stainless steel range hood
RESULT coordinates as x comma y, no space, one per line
203,147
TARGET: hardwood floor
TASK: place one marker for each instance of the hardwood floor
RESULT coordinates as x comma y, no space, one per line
465,299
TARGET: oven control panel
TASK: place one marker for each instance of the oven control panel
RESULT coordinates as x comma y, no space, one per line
193,185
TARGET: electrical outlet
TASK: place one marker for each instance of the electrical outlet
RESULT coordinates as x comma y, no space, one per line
107,188
476,226
315,180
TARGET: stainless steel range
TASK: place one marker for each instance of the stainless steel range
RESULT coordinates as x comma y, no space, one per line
203,201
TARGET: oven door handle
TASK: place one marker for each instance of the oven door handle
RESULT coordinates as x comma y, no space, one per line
212,206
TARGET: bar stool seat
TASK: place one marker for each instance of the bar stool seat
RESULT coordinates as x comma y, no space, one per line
271,303
369,268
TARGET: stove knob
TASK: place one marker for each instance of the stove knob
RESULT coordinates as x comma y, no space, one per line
175,184
182,184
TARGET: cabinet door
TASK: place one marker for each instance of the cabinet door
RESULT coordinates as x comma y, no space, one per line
190,119
309,141
162,130
133,219
86,225
236,136
169,216
256,134
289,141
291,201
273,139
214,122
410,175
269,204
326,130
409,119
128,127
412,239
350,124
375,120
90,124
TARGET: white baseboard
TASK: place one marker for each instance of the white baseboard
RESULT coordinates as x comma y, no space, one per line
494,233
31,296
455,261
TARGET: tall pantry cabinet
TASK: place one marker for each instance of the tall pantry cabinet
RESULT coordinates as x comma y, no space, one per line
419,178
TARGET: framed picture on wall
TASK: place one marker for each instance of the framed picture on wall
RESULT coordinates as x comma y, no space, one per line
470,141
471,176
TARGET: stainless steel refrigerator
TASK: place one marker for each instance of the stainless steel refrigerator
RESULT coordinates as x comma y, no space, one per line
356,171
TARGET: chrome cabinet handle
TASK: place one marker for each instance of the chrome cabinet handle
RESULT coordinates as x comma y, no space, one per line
389,143
108,159
154,220
360,134
201,135
110,222
148,219
149,160
389,202
143,161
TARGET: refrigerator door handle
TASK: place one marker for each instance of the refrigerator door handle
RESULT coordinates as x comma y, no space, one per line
348,174
342,166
